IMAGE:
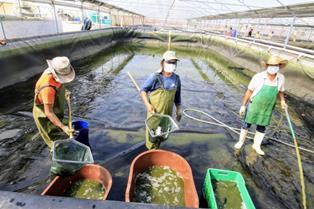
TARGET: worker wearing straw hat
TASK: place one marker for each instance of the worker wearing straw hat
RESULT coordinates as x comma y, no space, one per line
49,99
260,99
164,88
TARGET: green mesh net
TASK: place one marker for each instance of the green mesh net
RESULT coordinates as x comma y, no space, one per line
69,156
160,126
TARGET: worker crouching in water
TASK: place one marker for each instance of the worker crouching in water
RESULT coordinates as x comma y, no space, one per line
260,99
164,89
49,99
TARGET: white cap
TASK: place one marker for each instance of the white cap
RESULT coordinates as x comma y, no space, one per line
169,55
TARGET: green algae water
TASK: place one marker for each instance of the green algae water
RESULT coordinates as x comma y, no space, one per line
159,185
227,195
86,189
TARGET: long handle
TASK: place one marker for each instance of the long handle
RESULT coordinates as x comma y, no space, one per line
68,98
298,158
134,82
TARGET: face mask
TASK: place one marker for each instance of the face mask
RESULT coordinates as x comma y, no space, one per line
170,68
272,69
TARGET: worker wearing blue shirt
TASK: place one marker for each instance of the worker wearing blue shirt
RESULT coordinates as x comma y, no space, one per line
161,91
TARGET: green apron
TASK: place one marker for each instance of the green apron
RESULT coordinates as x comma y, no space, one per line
262,104
162,100
48,131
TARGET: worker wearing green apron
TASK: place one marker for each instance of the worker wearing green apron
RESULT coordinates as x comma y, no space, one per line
259,101
49,99
160,92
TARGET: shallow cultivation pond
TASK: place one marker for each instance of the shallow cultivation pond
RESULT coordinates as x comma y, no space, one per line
104,96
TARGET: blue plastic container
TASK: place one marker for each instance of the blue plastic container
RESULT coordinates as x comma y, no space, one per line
82,128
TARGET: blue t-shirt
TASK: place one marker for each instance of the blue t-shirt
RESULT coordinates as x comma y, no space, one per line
170,83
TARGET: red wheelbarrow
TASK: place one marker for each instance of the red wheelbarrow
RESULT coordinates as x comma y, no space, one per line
177,163
59,185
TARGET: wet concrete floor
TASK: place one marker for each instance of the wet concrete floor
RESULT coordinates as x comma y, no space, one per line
104,96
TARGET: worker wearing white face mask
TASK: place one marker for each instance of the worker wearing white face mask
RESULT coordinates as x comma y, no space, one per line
161,91
260,99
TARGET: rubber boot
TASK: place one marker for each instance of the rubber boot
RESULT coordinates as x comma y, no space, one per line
242,138
258,138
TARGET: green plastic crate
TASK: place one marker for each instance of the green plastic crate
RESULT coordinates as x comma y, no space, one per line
225,175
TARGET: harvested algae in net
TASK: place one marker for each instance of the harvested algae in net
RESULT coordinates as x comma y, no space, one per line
86,189
228,195
160,185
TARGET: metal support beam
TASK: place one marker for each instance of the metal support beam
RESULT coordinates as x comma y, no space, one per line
20,9
98,15
55,15
2,27
289,32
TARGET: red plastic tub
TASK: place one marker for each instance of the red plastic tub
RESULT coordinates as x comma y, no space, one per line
59,184
151,158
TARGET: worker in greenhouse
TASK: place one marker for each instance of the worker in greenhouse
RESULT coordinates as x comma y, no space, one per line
161,91
87,24
260,99
49,99
2,42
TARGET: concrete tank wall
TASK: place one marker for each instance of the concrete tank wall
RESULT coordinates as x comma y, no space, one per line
22,60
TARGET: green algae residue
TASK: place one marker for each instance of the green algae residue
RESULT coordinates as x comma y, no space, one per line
227,195
159,185
86,189
122,136
186,138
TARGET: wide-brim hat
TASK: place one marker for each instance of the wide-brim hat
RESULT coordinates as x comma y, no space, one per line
62,69
169,55
276,60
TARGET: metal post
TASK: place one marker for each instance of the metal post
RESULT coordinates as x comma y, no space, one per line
238,29
82,12
2,27
289,32
55,14
98,14
20,9
121,20
310,34
110,16
169,40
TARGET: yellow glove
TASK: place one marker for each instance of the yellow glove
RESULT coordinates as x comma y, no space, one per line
67,130
68,94
283,104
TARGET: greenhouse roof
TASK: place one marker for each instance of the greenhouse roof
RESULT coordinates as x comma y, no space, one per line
300,10
77,4
215,9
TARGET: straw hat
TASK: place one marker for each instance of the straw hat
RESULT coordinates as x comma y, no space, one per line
169,55
62,69
275,60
